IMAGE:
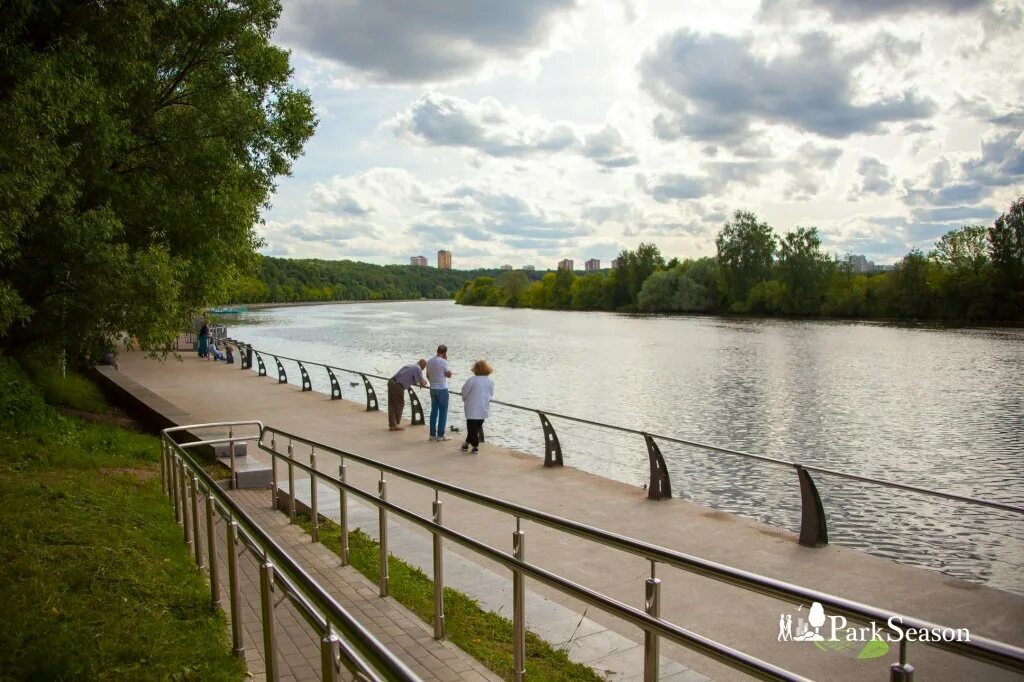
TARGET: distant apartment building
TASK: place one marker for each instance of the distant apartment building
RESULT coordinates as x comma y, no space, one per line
615,264
506,267
859,263
529,268
444,260
418,260
565,264
592,265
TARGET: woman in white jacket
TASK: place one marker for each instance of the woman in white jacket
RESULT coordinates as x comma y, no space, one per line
476,400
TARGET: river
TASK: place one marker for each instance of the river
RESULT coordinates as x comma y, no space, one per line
933,407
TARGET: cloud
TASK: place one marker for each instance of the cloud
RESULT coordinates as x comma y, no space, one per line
715,88
979,214
869,10
395,41
1000,164
875,179
493,129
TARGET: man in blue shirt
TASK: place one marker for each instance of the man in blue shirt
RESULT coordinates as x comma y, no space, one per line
397,386
438,375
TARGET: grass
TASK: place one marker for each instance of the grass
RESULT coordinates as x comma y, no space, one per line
94,577
484,635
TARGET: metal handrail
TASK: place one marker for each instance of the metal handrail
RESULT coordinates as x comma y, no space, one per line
357,648
813,527
978,648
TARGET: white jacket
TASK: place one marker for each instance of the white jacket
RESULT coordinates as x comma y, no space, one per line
476,397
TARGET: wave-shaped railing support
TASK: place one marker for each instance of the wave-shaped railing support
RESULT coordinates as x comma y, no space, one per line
552,448
416,408
659,487
282,378
813,525
263,367
307,385
335,386
371,395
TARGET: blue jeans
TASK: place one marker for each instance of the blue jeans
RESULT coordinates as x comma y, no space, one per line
438,411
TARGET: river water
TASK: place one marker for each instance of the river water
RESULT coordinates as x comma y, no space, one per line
932,407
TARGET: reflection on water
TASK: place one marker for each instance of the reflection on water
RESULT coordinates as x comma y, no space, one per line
938,408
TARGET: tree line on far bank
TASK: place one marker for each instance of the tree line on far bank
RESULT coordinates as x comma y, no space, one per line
286,280
974,273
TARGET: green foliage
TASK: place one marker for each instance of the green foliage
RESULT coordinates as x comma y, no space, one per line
484,635
95,579
285,280
690,287
746,251
973,274
804,270
141,140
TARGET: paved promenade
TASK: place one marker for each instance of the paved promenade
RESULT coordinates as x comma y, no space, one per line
730,615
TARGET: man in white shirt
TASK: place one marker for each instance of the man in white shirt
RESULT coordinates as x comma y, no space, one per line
438,375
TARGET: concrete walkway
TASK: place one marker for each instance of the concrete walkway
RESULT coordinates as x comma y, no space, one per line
732,616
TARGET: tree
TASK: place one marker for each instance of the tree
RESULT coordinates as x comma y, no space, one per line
141,140
746,250
513,285
912,297
643,262
1006,249
804,270
963,278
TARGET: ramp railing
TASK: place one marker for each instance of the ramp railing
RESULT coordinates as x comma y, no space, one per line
344,641
281,446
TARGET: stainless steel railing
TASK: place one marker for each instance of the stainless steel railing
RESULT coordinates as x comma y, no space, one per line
813,522
343,640
649,619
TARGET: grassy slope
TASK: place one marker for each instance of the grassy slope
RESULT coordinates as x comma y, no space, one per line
94,579
483,634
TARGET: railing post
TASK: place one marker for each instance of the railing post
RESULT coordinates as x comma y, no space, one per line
197,545
246,357
282,377
518,608
313,516
652,605
291,484
163,465
234,596
273,473
902,671
659,487
269,629
371,395
813,526
212,550
182,478
343,514
263,367
552,448
330,653
382,519
335,386
173,464
438,573
231,455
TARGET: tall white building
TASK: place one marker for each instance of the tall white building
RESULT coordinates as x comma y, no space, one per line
592,265
418,260
565,264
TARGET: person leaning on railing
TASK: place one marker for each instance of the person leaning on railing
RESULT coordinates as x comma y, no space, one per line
403,380
476,401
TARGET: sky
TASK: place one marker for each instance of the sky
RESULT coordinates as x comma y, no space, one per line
527,131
